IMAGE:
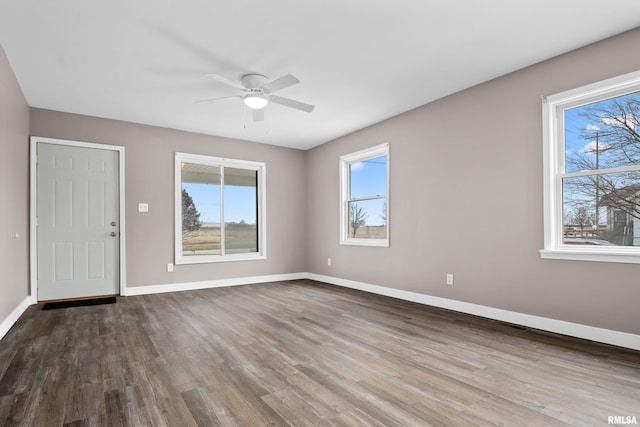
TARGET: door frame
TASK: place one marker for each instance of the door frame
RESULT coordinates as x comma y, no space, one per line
33,206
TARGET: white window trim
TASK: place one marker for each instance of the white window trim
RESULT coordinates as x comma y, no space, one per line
345,161
553,107
262,207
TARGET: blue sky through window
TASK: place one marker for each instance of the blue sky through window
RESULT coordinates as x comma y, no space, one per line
586,123
369,178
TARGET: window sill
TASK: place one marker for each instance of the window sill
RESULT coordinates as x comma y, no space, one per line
366,242
206,259
591,255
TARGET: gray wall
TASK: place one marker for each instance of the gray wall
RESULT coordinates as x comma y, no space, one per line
149,157
466,198
14,191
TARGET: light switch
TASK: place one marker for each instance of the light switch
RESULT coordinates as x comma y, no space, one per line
143,207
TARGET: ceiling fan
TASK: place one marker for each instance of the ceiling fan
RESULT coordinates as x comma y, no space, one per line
259,93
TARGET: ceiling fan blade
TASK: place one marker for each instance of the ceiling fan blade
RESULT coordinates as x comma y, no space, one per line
280,83
225,81
258,115
292,103
208,101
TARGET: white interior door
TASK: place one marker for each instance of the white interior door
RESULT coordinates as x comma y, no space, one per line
78,224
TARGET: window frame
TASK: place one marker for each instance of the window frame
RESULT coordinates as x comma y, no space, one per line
260,168
553,108
345,181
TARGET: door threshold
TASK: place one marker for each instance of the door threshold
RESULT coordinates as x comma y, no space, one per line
77,299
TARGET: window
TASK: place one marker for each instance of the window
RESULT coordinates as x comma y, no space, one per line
592,172
364,207
219,209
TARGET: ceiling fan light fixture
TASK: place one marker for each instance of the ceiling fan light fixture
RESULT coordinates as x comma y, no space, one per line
255,101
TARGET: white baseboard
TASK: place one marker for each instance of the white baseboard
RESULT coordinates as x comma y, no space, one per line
607,336
13,317
191,286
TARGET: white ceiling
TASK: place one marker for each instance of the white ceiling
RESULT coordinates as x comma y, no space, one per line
359,62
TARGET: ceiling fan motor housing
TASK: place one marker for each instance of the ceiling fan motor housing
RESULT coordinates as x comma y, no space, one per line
254,82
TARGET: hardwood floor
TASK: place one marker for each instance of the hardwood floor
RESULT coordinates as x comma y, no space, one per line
301,353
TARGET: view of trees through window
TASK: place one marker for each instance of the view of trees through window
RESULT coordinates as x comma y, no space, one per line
601,180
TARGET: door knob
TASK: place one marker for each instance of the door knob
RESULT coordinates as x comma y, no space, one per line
113,234
113,223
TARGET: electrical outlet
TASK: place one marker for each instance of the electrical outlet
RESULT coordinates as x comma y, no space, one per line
169,268
329,261
449,279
